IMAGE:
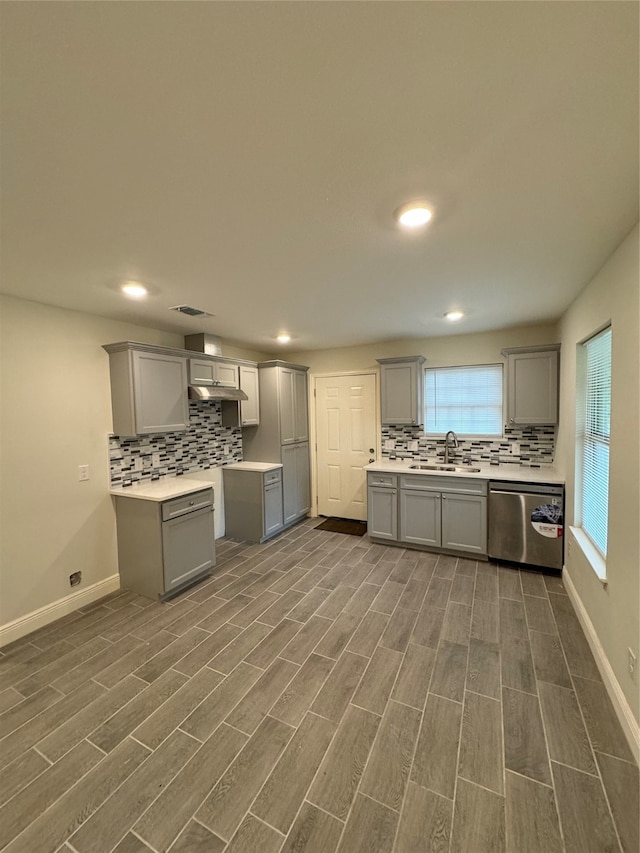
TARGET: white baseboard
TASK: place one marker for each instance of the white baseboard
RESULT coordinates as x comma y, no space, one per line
629,724
50,612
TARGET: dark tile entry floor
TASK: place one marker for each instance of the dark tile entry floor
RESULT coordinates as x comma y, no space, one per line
317,693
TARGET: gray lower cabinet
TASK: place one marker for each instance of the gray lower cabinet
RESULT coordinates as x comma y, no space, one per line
382,506
420,517
382,515
448,514
252,503
464,523
165,546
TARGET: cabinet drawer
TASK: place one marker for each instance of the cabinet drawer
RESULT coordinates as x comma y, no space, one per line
273,477
430,483
188,503
375,479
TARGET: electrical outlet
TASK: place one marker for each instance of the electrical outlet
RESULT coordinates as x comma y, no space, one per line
138,463
413,445
83,472
227,449
389,444
631,664
155,460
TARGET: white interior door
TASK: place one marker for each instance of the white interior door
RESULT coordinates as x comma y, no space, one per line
346,432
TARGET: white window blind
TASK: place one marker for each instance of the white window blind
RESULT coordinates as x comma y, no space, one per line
467,399
594,426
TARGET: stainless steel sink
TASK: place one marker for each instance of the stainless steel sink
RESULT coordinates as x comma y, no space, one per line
467,468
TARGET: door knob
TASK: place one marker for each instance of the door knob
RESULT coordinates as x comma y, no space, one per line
372,459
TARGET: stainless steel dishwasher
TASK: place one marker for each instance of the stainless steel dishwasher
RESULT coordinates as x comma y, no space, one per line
526,523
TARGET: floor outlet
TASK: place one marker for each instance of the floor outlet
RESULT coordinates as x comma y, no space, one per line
631,664
83,472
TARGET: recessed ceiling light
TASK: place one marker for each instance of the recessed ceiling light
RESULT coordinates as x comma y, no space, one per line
134,290
413,215
283,338
454,315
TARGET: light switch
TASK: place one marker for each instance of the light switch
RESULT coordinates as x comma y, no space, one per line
83,472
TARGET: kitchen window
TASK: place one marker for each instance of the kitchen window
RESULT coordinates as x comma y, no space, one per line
593,428
466,399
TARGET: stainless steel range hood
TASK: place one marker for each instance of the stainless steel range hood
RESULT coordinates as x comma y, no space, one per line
215,392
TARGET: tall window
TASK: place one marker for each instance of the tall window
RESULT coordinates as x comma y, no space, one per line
467,400
593,420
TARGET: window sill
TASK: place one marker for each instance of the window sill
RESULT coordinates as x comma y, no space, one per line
591,554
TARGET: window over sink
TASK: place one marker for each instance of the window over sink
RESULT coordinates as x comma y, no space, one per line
467,400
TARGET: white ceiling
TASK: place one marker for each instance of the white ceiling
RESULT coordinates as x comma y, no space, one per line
246,158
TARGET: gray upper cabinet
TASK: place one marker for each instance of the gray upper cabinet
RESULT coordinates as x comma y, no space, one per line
249,409
148,390
402,390
209,372
532,384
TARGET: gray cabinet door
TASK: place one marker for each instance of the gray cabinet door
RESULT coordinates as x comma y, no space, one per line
301,405
249,409
272,508
420,517
188,547
532,387
296,497
289,482
160,393
464,523
401,391
286,402
382,512
303,478
226,374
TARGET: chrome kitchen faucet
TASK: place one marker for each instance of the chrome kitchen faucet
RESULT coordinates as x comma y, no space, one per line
446,445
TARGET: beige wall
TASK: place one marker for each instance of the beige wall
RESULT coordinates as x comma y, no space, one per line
611,296
450,350
56,415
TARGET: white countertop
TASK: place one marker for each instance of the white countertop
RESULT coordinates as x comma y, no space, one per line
253,466
514,473
160,490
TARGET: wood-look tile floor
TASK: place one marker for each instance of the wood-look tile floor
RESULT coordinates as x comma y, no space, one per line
318,693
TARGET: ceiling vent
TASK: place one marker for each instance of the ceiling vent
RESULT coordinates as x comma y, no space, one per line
192,312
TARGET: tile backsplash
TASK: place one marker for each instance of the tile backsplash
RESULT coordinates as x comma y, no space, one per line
205,444
530,446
